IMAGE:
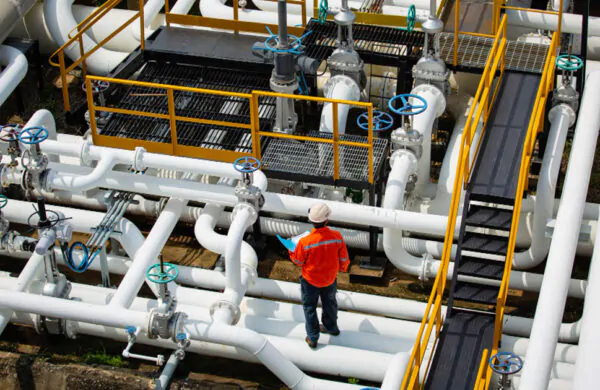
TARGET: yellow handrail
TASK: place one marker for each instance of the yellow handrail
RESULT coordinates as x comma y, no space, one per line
82,28
479,111
536,124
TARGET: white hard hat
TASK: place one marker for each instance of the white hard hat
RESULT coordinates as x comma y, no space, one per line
319,213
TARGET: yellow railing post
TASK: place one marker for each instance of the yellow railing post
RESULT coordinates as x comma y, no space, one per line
336,150
255,126
172,116
167,13
91,107
63,79
560,17
142,27
236,14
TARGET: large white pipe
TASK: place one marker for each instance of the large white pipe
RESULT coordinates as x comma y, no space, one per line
561,118
566,353
60,21
544,334
148,254
423,123
15,68
218,9
10,14
585,372
395,372
338,87
28,273
571,22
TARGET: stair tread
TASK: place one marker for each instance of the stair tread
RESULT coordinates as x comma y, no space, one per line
485,268
473,292
485,243
490,217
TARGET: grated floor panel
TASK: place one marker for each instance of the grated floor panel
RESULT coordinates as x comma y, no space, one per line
316,159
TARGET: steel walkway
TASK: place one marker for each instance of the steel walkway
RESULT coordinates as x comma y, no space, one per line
467,332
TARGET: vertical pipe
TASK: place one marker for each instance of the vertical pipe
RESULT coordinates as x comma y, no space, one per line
282,19
167,373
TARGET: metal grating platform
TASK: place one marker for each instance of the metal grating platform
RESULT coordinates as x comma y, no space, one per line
390,46
283,158
195,105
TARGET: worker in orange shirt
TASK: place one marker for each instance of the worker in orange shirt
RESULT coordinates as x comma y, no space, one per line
321,254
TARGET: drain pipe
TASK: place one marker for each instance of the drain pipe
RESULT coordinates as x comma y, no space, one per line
544,334
15,68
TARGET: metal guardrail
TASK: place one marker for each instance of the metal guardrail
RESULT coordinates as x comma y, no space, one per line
253,127
480,110
82,28
536,125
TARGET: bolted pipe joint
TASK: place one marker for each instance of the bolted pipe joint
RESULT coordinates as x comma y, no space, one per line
565,109
228,309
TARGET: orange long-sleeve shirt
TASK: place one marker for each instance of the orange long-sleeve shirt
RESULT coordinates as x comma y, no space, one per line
321,254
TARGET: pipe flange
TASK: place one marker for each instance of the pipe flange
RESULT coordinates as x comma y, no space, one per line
405,153
234,310
432,89
406,137
563,109
247,207
251,270
283,86
342,79
177,324
138,159
426,267
84,153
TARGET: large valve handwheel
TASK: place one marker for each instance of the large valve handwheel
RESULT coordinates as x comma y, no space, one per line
506,363
408,108
382,121
52,218
568,62
168,274
246,164
9,133
97,86
3,201
33,135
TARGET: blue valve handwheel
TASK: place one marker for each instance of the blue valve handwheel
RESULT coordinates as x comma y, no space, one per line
568,62
3,201
408,108
33,135
170,273
382,121
97,86
507,363
410,18
246,164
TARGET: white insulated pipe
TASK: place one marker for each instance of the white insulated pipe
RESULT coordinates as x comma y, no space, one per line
339,87
15,68
28,273
585,369
59,20
395,372
148,254
544,334
571,23
561,118
218,9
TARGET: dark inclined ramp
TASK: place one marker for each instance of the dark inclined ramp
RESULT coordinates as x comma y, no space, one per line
467,332
495,177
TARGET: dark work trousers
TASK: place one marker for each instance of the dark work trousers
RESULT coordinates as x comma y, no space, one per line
310,298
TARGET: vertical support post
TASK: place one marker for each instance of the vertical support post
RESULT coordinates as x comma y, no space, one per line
91,107
336,151
560,17
584,47
167,13
370,147
142,27
303,6
83,65
236,15
456,31
255,123
172,120
104,268
63,79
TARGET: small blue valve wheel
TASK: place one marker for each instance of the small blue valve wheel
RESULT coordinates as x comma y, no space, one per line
3,201
170,273
247,164
408,108
181,336
506,363
130,329
33,135
568,62
382,121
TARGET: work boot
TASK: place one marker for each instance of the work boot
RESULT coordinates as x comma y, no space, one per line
312,345
322,329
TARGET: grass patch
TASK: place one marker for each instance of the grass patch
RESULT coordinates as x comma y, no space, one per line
101,357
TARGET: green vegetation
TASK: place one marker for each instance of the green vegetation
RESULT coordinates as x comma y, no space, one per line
101,357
